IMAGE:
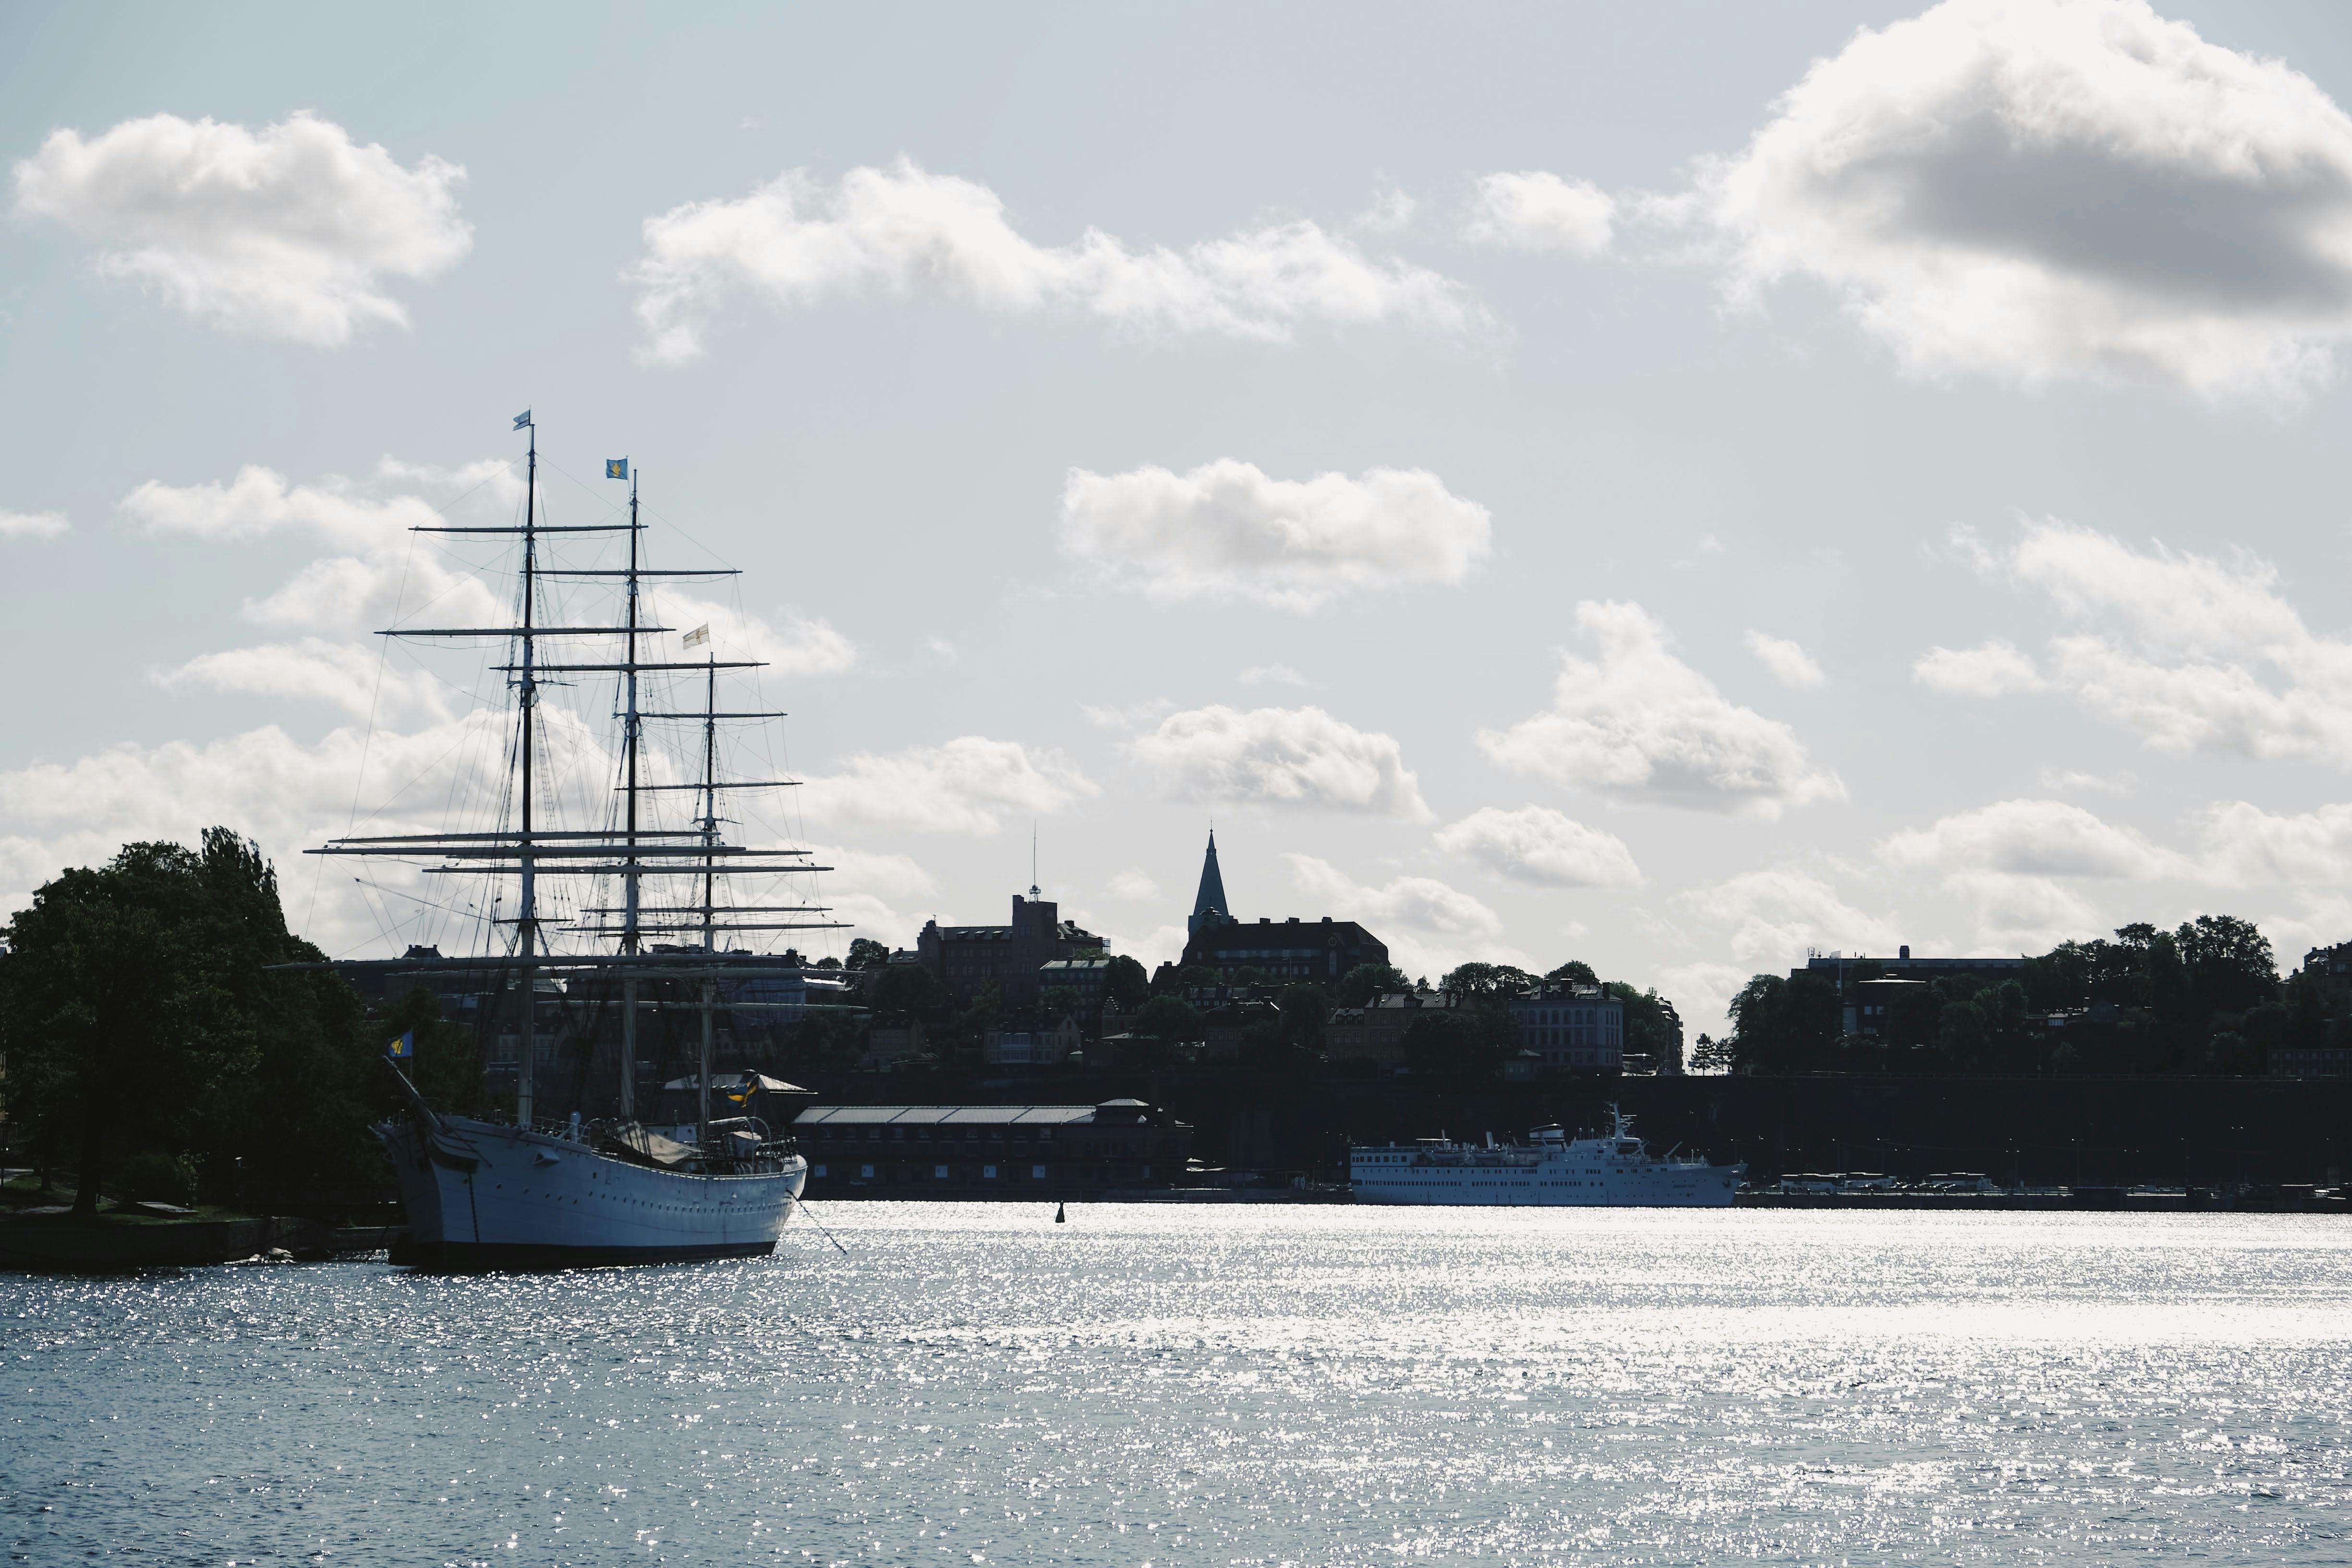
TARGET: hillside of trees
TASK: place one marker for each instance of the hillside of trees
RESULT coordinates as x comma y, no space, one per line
2205,999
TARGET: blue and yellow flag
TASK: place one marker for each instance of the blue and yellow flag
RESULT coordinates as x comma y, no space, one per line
402,1048
617,467
742,1094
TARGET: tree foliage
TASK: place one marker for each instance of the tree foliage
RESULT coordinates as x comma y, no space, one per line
1482,982
902,990
1170,1020
1125,983
144,1016
2204,997
1366,981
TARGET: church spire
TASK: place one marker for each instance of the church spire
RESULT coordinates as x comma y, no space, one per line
1209,907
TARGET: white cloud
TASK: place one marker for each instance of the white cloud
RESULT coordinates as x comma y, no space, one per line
1281,756
2035,189
287,795
2318,920
2030,837
1538,846
354,679
2095,783
883,874
1638,723
1226,530
1272,675
864,889
1989,669
797,648
32,524
1126,715
1538,211
392,572
1161,944
261,500
1429,927
2244,846
2003,862
1136,886
2015,915
286,233
942,650
1704,553
1391,212
2193,653
902,231
966,785
1774,916
1422,903
1702,995
1787,662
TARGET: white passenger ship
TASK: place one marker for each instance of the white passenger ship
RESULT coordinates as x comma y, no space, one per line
1614,1169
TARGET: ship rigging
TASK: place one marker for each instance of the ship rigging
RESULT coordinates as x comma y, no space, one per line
658,899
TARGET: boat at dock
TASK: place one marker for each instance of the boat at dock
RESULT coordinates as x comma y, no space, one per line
648,888
1613,1169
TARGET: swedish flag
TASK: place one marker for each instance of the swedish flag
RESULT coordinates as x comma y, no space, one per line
402,1048
742,1095
617,467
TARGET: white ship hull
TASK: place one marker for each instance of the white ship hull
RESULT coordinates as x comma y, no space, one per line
481,1196
1611,1172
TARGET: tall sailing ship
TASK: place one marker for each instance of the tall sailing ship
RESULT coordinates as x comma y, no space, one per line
642,897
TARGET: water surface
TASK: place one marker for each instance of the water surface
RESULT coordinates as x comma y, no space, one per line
1230,1386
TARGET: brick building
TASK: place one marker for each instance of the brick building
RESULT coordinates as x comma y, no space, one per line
1580,1028
963,958
1320,950
1375,1032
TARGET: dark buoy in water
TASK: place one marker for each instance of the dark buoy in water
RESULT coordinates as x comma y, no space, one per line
1061,1214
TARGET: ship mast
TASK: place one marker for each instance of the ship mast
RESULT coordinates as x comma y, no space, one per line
527,913
630,878
710,841
631,850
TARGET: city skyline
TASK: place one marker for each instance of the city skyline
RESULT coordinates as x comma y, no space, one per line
1547,485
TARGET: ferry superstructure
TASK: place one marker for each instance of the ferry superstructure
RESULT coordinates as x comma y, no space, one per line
536,1191
1609,1169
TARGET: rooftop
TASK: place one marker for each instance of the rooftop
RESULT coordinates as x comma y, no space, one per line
944,1115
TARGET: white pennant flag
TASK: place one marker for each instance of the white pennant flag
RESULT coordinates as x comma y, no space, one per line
700,637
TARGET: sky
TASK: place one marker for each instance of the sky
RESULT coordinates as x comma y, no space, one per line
1676,487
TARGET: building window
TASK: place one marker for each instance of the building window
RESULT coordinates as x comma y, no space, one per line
1037,1173
818,1172
940,1173
988,1173
866,1171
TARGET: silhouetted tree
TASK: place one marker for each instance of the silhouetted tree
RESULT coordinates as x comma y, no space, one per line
1366,981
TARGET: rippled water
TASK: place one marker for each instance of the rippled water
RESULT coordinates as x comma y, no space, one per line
1221,1386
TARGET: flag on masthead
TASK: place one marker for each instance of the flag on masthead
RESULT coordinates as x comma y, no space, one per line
699,636
617,467
523,419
